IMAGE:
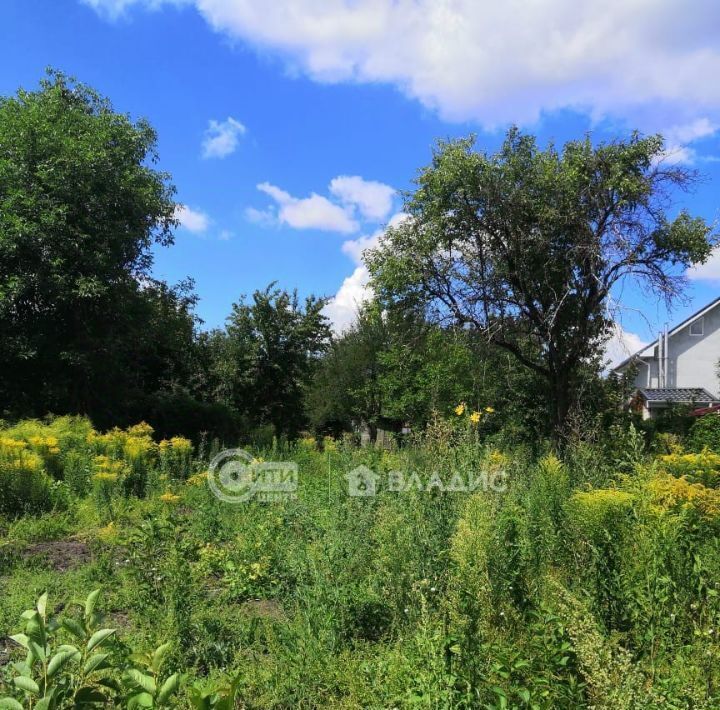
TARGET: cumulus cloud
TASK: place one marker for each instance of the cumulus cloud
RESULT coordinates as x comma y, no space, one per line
195,221
622,344
221,138
343,308
496,62
314,212
373,199
353,200
709,271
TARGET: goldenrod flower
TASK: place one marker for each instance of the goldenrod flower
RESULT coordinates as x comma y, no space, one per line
169,497
106,476
197,479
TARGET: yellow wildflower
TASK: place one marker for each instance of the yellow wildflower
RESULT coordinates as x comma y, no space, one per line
106,476
197,479
489,410
460,409
170,497
475,417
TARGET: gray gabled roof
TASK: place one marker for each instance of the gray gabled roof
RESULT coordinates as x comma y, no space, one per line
677,395
648,349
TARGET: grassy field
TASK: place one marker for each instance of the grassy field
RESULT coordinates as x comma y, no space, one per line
591,582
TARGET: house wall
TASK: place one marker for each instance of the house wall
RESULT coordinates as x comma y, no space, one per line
693,359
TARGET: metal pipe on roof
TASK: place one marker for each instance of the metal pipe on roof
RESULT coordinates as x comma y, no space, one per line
667,357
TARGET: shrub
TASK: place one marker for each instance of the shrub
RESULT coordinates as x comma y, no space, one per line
25,487
705,433
703,467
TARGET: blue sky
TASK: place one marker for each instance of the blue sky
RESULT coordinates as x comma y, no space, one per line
343,101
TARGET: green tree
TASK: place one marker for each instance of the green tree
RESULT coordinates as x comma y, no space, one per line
395,365
526,245
80,207
269,354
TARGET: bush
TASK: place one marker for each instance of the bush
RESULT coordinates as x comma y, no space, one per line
705,433
25,487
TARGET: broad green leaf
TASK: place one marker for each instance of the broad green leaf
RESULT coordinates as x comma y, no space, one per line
36,650
96,662
67,647
169,687
90,603
159,656
25,683
140,700
89,695
23,668
146,682
142,659
35,629
42,604
59,661
98,637
74,627
10,704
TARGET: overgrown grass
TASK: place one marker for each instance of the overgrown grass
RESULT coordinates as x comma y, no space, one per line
588,582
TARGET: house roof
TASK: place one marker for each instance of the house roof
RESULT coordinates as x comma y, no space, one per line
702,411
648,349
677,395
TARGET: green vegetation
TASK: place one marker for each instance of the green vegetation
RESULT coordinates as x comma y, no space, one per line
575,585
544,551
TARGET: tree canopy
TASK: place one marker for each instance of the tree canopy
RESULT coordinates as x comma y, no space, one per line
526,245
80,207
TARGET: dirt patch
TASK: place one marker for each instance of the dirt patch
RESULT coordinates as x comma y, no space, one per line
264,608
6,646
119,620
61,555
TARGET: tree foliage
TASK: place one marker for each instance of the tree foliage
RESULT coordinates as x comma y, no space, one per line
80,207
527,245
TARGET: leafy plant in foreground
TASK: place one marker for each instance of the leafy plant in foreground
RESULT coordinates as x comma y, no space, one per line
87,672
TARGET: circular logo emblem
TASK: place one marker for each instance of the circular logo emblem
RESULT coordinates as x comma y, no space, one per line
231,476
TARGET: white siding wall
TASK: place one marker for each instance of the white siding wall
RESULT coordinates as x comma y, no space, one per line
693,359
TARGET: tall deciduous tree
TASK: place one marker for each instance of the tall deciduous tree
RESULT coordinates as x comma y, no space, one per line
526,245
272,347
80,207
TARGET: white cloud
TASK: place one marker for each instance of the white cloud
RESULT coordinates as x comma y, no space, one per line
709,271
354,248
221,138
373,199
622,344
195,221
314,212
265,218
495,62
678,138
343,308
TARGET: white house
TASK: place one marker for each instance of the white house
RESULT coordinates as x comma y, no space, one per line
681,366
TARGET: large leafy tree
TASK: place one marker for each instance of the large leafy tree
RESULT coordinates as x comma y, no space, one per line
395,365
526,245
81,205
267,358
